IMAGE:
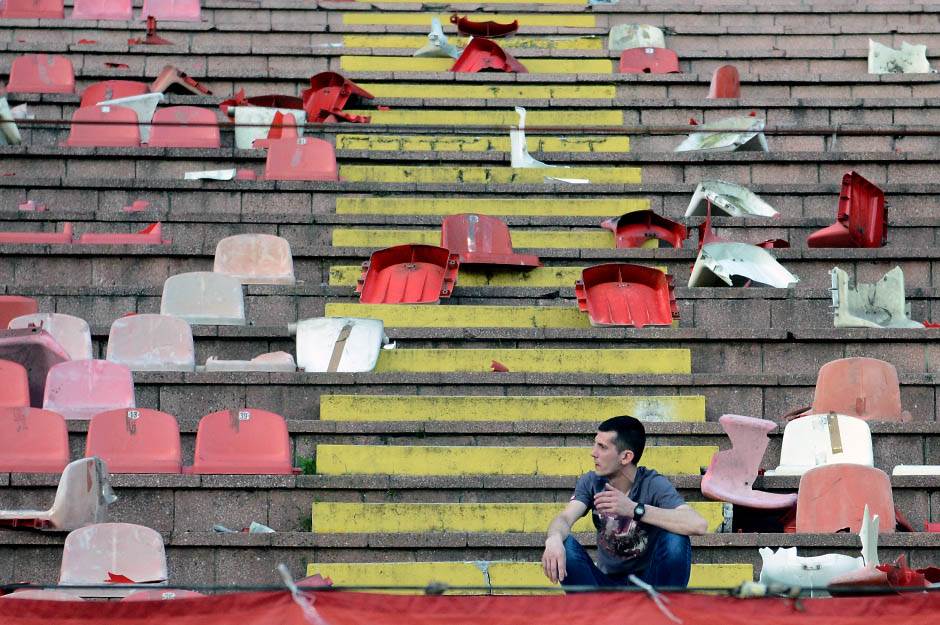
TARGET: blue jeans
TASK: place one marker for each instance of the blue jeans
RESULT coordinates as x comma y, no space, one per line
670,564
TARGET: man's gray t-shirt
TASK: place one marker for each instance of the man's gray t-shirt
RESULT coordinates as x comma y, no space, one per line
623,545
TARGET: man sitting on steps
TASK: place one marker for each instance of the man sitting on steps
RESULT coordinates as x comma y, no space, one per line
643,525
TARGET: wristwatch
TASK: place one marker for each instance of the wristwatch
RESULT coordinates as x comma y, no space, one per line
638,512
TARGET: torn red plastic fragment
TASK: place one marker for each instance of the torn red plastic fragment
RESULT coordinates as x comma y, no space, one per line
111,90
151,235
483,29
622,294
649,61
900,575
498,367
32,206
39,238
482,240
152,38
116,65
282,127
328,95
314,581
137,206
33,9
408,274
86,42
483,55
726,83
300,159
773,244
633,229
862,218
41,73
117,578
172,80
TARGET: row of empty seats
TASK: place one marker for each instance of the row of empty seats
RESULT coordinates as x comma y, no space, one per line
122,10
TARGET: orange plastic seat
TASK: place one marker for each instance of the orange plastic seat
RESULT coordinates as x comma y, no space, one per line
184,127
33,9
483,55
111,90
138,440
41,73
731,474
38,352
112,553
300,159
482,240
102,10
833,497
726,83
862,218
242,442
80,389
14,393
637,228
104,126
621,294
408,274
13,306
866,388
32,441
171,10
649,61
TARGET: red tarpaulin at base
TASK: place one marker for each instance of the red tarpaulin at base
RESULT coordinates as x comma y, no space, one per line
345,608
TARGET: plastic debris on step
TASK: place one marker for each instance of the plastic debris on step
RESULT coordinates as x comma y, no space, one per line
143,105
172,80
519,150
137,206
41,595
489,29
870,575
301,159
184,127
408,274
31,206
738,264
148,342
483,55
104,126
437,45
727,135
32,441
862,218
271,362
111,90
41,73
210,174
621,294
137,440
112,553
833,498
255,259
338,344
645,229
706,235
39,238
80,389
282,127
482,240
820,439
293,103
255,122
33,9
151,38
726,83
121,10
171,10
204,298
72,333
327,96
649,61
245,441
910,59
628,36
9,133
35,349
727,199
871,305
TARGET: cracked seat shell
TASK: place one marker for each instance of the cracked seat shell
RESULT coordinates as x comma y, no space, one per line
862,218
93,553
637,228
149,342
483,55
72,333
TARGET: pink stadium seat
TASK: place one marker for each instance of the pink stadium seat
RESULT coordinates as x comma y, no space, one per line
14,393
38,352
119,127
151,342
171,10
12,306
833,497
408,274
33,9
102,10
300,159
81,389
32,441
41,73
255,259
72,333
137,440
184,127
244,442
111,90
112,553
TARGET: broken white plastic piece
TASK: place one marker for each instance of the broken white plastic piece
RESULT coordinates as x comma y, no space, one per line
519,150
784,567
910,59
727,199
72,333
437,45
212,174
727,135
871,305
628,36
338,344
815,440
254,122
204,298
869,535
9,133
144,105
738,264
271,362
916,469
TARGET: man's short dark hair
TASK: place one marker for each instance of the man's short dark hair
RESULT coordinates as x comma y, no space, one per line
630,434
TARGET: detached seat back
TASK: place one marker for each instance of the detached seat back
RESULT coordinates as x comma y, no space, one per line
408,274
138,440
242,442
482,240
815,440
645,229
833,497
80,389
621,294
32,441
862,218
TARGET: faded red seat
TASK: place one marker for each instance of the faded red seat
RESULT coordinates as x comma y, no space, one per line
621,294
862,219
102,10
37,351
242,442
300,159
33,9
833,497
731,474
726,83
41,73
866,388
111,90
82,497
104,126
13,306
637,228
120,553
328,94
483,55
482,240
138,440
150,235
184,127
408,274
39,238
32,441
14,393
649,61
80,389
171,10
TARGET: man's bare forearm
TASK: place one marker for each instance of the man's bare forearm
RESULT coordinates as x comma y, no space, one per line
559,528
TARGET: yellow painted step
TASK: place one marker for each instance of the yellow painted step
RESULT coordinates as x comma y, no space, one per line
424,19
495,117
596,238
675,408
467,143
490,92
362,518
422,316
574,207
541,42
415,460
354,63
448,174
559,277
420,574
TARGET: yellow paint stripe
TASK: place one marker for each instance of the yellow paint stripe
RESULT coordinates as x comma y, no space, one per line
466,143
542,42
559,277
415,460
497,117
677,408
554,239
424,19
574,207
503,574
361,518
446,174
356,63
491,91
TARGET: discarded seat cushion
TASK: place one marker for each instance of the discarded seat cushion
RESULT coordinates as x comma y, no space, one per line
621,294
150,342
13,306
879,304
245,442
171,10
483,55
81,498
253,123
738,264
744,133
135,440
338,344
9,132
204,298
111,90
172,80
184,127
14,393
255,259
492,30
862,218
301,159
482,240
649,60
630,36
168,594
33,9
32,441
37,351
727,199
271,362
39,238
815,440
731,474
98,554
909,59
41,73
645,228
80,389
408,274
437,45
833,497
72,333
149,235
328,95
143,105
785,567
104,126
122,10
726,83
866,388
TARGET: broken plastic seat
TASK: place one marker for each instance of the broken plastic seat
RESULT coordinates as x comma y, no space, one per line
621,294
184,127
489,29
862,218
408,274
204,298
738,264
815,440
483,55
630,36
744,133
639,228
171,10
833,497
136,440
437,45
301,159
121,10
282,127
32,441
785,567
38,352
149,235
909,59
255,259
731,474
252,123
727,199
143,105
242,442
80,389
39,238
150,342
172,80
726,83
81,498
13,306
104,126
270,362
41,73
649,60
871,305
95,555
327,96
866,388
338,344
72,333
14,393
482,240
33,9
111,90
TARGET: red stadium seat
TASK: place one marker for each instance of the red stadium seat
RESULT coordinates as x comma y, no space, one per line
104,126
242,442
38,351
33,9
328,94
649,61
111,90
184,127
866,388
637,228
483,55
41,73
138,440
300,159
80,389
171,10
726,83
833,497
14,393
408,274
862,218
621,294
13,306
32,441
482,240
